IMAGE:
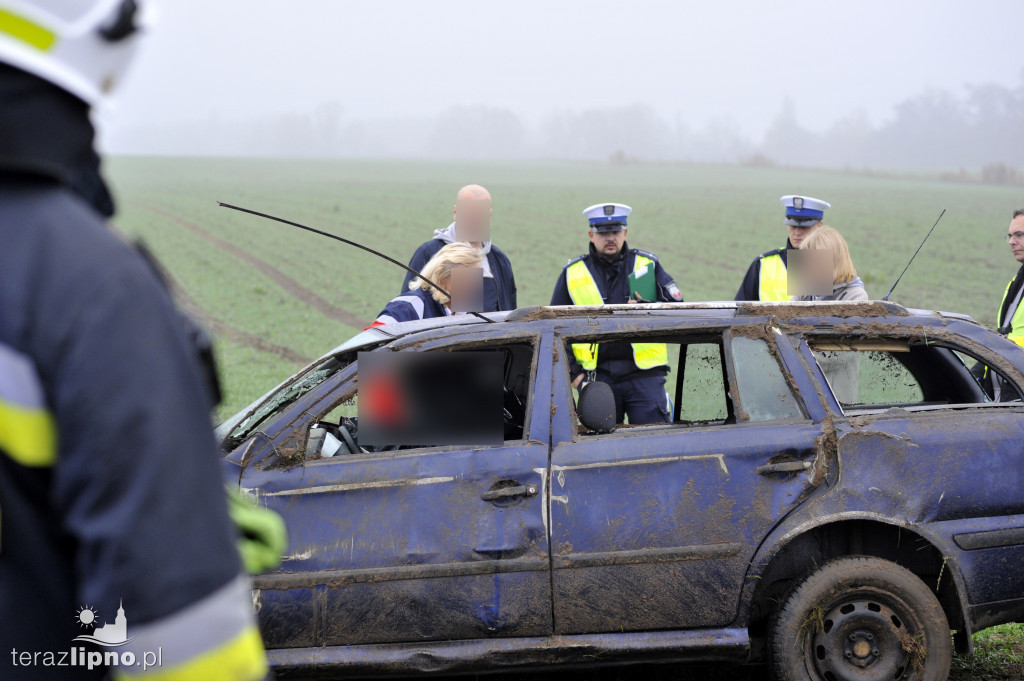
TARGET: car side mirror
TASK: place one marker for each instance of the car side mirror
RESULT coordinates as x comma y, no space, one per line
596,407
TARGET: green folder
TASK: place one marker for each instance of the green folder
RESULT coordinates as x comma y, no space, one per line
643,282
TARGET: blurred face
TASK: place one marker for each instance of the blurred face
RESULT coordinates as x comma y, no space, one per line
608,243
473,220
465,286
1015,234
798,234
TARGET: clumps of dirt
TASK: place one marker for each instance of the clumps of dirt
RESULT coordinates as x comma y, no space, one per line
826,446
915,648
825,309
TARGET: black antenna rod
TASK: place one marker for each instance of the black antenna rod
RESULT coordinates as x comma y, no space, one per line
350,243
915,255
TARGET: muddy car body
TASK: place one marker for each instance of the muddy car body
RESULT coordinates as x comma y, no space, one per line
769,521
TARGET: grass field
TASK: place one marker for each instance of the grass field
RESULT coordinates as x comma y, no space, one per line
280,295
276,297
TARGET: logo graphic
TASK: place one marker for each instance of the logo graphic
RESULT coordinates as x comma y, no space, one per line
115,634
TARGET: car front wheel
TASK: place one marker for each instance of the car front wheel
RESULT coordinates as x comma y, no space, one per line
860,618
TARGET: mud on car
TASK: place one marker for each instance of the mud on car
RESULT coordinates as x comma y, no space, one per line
835,494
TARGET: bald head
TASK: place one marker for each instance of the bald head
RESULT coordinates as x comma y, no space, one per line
472,192
472,214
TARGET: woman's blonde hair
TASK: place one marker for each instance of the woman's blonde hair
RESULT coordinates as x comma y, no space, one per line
826,238
439,268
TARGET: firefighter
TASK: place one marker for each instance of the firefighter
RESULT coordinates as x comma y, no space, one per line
635,371
113,517
766,276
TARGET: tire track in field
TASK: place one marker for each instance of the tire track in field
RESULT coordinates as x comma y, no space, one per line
211,323
291,286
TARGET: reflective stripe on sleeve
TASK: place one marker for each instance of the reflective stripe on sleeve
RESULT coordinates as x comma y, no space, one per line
28,433
213,639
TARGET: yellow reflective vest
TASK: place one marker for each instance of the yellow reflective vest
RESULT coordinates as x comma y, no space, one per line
772,284
583,291
1016,322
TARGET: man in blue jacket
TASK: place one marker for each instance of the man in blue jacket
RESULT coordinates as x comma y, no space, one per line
113,517
499,284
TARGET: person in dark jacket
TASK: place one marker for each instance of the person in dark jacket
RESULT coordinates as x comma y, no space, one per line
635,371
499,284
115,524
423,301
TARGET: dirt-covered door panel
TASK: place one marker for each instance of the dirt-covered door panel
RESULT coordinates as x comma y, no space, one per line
920,439
653,527
412,544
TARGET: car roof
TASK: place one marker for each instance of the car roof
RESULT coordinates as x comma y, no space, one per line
781,309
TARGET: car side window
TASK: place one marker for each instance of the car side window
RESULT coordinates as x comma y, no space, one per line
336,432
702,395
872,379
876,374
764,393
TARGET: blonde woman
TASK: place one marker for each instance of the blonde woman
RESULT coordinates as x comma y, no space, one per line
423,301
846,285
841,369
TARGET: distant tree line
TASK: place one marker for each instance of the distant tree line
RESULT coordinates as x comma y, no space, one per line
980,130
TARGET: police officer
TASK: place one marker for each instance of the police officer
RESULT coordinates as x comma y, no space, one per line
112,506
766,276
1010,319
635,371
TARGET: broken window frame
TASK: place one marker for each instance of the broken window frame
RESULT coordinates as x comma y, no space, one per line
895,341
351,388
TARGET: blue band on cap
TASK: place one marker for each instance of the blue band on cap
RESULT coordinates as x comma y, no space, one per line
805,213
605,219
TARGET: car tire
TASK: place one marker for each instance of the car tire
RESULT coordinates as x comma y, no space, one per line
860,617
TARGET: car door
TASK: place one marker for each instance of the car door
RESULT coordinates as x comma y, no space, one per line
417,544
653,527
918,440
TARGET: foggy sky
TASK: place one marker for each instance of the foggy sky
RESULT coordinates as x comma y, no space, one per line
210,63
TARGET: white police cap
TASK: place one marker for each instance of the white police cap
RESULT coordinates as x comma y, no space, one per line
804,211
607,217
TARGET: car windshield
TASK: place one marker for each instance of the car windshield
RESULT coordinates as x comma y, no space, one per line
286,395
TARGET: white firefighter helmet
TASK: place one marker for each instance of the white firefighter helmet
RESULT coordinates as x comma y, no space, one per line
82,46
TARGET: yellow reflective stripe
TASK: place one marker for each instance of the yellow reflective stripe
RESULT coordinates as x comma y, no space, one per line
28,435
583,291
650,355
1016,321
773,284
582,287
240,659
26,31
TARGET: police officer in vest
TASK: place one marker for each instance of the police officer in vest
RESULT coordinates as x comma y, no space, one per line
1010,317
766,276
1011,313
635,371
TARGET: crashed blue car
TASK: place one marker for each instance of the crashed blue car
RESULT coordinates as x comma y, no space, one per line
837,492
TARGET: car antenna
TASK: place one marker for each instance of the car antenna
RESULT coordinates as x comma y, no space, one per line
915,255
350,243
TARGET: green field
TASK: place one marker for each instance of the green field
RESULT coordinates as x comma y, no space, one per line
276,296
280,295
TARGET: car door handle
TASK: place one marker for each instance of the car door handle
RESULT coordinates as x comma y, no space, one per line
509,492
783,467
